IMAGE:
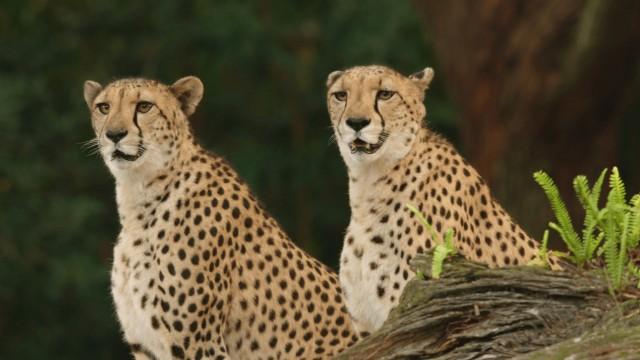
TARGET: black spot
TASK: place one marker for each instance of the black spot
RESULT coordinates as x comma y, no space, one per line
177,351
377,239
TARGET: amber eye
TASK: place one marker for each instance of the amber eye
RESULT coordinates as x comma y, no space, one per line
103,108
385,94
144,107
340,95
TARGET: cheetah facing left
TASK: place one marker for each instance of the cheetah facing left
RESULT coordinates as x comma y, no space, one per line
200,270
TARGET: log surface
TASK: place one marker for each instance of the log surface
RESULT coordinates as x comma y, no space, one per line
477,313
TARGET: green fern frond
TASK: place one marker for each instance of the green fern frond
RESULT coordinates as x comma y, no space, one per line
448,241
589,198
581,187
439,255
545,243
597,188
565,227
575,248
423,220
443,249
622,256
542,257
611,259
616,253
635,271
618,190
634,222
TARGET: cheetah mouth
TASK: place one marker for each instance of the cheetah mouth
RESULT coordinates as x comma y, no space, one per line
119,155
361,146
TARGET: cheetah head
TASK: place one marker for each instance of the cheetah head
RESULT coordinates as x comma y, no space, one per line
375,111
140,123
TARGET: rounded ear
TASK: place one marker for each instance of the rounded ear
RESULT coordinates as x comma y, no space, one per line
91,90
423,78
333,77
188,91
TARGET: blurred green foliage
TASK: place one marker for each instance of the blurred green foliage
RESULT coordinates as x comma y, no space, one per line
264,65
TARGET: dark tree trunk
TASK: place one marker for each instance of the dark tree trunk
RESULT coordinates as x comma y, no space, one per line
524,312
539,84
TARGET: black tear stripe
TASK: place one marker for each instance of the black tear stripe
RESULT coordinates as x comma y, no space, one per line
140,143
346,103
137,348
375,107
135,121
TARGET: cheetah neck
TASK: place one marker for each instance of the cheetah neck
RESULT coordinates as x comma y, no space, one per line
368,182
147,183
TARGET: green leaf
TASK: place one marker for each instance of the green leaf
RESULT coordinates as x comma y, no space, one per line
448,241
542,257
423,220
634,222
617,187
565,225
439,255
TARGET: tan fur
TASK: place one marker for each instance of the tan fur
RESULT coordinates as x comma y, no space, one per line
412,166
200,269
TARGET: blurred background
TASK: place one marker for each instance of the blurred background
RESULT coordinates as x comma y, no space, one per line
520,86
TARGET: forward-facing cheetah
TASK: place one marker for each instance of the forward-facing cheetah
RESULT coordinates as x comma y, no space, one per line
394,160
200,270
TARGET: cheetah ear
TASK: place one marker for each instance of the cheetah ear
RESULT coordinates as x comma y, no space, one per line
333,77
91,90
423,78
188,91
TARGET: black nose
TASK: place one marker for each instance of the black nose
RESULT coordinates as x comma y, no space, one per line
116,135
357,123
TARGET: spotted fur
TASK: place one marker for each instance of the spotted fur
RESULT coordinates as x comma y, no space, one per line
412,165
200,269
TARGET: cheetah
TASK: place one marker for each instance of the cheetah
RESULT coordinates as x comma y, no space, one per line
200,269
394,160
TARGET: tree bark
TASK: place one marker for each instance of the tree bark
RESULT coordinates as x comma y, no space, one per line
539,84
477,313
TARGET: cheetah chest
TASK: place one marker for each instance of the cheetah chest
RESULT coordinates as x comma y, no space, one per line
131,284
370,274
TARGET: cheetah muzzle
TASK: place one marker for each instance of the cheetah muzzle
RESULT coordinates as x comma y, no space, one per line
361,146
120,155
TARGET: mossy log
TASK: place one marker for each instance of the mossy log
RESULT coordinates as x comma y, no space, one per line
521,312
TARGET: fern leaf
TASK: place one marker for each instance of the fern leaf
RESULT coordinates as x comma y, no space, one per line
595,244
616,253
572,248
567,232
595,200
542,257
545,243
634,222
597,188
622,256
635,271
423,220
591,239
448,241
617,186
581,187
611,258
439,255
